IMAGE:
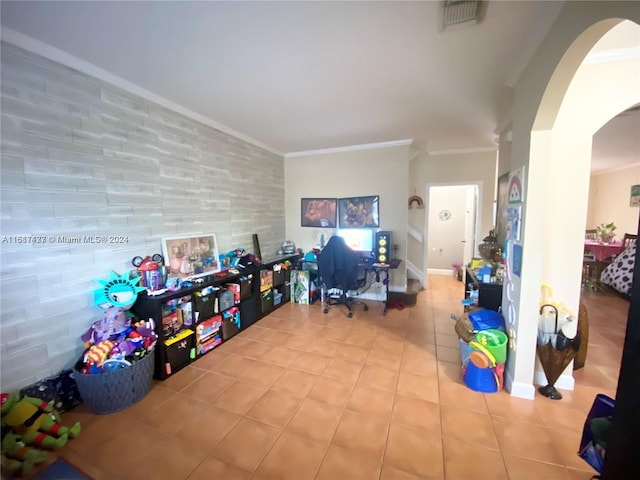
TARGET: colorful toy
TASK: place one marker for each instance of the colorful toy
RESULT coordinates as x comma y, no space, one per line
17,457
36,422
113,322
97,354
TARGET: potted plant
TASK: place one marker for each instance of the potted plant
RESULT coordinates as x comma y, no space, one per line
606,232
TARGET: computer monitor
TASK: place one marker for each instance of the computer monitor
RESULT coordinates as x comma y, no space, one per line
359,239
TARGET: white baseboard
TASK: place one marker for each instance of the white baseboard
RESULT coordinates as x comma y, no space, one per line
518,389
440,271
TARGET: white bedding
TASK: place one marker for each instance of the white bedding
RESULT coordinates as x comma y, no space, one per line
619,273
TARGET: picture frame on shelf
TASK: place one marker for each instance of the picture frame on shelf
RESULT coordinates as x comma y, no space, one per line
319,212
191,256
359,212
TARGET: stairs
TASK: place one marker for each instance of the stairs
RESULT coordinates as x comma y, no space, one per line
410,296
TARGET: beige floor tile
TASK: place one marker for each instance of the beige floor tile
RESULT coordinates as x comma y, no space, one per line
460,396
211,361
172,415
392,473
346,464
212,467
208,427
371,401
239,397
343,370
334,334
418,386
298,342
501,404
274,408
526,469
527,440
448,354
246,444
417,413
462,460
282,356
414,451
207,387
352,353
468,427
235,365
181,379
384,358
361,433
295,382
311,362
293,456
275,337
262,373
254,349
174,459
315,420
378,377
331,391
323,347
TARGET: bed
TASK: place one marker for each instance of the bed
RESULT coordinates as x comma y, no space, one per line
619,273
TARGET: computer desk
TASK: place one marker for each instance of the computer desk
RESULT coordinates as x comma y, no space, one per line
381,268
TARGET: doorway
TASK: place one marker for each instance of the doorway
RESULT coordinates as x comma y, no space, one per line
451,224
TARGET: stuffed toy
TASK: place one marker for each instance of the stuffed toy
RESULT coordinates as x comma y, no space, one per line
97,354
36,422
114,321
17,458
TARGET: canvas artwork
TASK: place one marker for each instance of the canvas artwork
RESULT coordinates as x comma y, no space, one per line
359,212
319,212
516,186
514,221
191,256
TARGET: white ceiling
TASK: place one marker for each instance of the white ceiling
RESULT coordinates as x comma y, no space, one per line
300,76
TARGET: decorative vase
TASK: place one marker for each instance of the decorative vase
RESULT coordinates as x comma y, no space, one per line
488,250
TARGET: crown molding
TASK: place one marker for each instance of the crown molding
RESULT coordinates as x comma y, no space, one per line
614,169
52,53
352,148
459,151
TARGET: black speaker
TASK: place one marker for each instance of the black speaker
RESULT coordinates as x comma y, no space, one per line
382,247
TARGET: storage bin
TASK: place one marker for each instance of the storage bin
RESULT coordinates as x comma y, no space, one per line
266,302
225,300
204,306
277,299
246,283
248,312
114,391
179,351
230,323
279,275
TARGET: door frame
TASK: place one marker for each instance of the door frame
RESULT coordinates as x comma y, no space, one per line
425,236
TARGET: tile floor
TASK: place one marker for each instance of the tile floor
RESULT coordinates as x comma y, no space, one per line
305,395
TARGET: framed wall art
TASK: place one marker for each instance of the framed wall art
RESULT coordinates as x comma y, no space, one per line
634,200
319,212
190,256
359,212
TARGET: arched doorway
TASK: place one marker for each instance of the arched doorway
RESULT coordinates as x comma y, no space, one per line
553,126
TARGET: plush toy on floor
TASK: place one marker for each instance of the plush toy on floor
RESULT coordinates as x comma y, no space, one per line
35,421
17,458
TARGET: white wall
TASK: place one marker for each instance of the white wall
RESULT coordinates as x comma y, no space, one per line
477,168
444,237
378,171
609,200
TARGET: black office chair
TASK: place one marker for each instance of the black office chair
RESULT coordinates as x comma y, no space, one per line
338,273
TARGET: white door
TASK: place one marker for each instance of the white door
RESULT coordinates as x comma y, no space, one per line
470,223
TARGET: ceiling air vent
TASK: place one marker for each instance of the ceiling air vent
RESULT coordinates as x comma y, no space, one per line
458,12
